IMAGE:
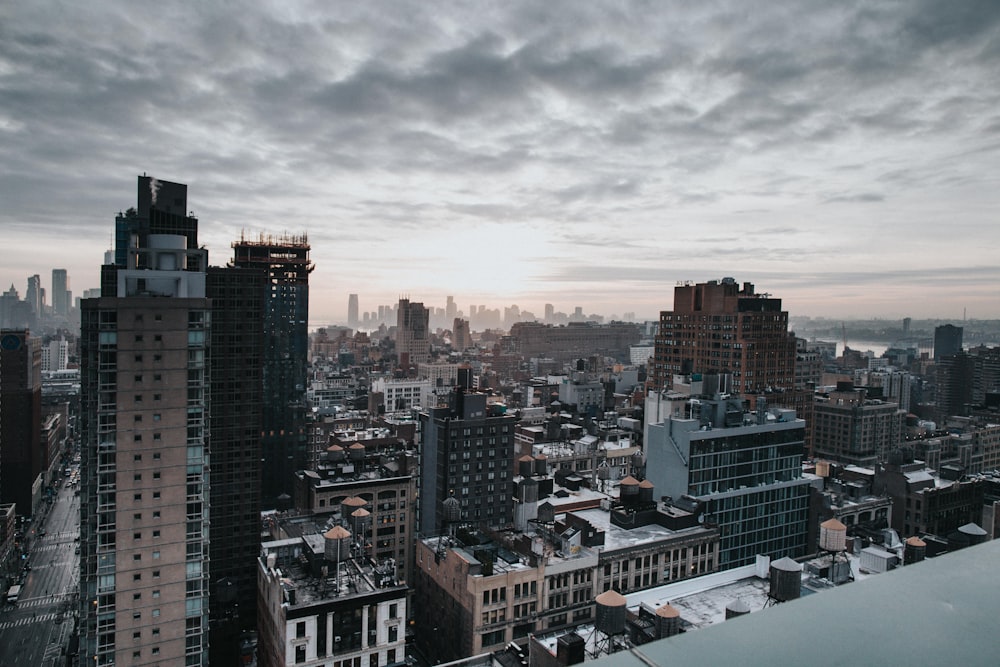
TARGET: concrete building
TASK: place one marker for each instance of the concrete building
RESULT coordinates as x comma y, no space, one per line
401,395
144,562
413,342
352,311
850,428
322,604
740,471
466,448
22,456
575,340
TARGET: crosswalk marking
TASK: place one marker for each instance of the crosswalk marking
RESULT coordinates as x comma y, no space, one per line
27,621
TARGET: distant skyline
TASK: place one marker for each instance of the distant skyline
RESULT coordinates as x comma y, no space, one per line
840,156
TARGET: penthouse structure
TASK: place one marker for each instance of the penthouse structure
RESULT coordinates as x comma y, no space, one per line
322,603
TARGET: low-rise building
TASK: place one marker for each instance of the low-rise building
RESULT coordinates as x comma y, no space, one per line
322,603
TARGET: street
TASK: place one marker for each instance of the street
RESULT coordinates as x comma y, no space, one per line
36,630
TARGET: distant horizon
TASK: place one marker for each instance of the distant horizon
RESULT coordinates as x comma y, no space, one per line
841,157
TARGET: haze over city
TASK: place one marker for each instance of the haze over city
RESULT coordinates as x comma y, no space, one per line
842,157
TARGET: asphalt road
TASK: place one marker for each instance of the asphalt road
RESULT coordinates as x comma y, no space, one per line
35,631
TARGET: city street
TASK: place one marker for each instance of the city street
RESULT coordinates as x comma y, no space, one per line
36,630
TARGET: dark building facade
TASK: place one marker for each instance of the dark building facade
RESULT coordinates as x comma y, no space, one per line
947,341
21,453
236,389
284,441
575,340
466,448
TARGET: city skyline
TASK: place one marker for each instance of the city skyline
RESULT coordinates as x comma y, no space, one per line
839,157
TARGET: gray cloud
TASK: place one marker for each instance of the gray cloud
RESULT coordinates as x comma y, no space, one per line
640,121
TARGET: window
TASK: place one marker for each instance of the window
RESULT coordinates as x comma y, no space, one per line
136,536
136,596
156,574
136,496
137,457
156,632
136,556
156,593
156,554
136,615
156,514
156,456
137,477
156,533
138,398
156,397
136,654
156,495
137,418
157,338
157,377
136,577
300,629
138,358
136,635
156,613
156,416
156,650
156,475
137,516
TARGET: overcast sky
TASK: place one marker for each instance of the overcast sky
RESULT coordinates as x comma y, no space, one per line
843,156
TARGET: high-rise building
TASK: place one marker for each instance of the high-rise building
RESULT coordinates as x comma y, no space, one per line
61,297
34,294
144,562
284,442
413,342
466,448
236,389
717,327
21,453
461,336
740,471
352,311
947,341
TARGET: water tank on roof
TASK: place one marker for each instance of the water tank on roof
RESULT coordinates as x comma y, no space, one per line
628,489
525,464
786,579
357,452
361,521
335,453
603,473
668,621
966,536
337,544
832,535
541,465
610,613
349,504
645,491
452,510
914,550
823,468
528,490
638,461
737,608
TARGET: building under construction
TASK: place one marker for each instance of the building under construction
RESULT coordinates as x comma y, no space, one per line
285,259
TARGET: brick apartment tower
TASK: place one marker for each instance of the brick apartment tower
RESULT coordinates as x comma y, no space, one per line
167,340
720,327
144,563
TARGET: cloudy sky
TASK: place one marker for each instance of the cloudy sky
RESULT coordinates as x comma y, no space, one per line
841,155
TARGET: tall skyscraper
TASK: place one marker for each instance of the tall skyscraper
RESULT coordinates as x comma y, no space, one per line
413,343
236,364
144,563
947,341
34,294
352,311
284,442
61,298
21,453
